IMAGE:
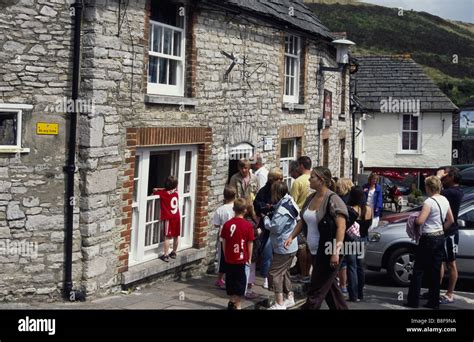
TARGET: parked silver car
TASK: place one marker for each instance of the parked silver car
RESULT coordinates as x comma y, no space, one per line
390,247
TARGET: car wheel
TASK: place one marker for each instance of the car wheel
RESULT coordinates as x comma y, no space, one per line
400,266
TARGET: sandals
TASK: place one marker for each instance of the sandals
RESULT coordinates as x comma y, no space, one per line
165,258
172,255
445,300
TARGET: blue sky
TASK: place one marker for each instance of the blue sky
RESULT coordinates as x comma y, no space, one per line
462,10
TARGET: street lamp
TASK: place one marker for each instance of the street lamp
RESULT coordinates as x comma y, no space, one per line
342,57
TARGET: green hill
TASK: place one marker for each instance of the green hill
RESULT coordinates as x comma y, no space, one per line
433,42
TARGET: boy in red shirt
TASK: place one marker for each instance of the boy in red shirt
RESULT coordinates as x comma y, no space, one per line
237,243
169,204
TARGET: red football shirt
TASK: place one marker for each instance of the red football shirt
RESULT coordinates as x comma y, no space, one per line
169,203
237,232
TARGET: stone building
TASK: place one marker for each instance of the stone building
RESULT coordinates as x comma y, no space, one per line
183,88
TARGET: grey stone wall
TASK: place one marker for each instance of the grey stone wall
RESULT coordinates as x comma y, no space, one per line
35,68
238,110
241,109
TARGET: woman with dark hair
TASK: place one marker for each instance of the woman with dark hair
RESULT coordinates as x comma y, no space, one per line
355,268
323,219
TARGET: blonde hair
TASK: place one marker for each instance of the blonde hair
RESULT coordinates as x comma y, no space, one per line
275,175
325,174
240,206
279,190
434,184
250,208
343,186
243,163
374,176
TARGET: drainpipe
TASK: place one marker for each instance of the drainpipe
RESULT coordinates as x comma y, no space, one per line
70,167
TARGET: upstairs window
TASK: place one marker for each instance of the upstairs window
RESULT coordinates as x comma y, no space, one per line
410,133
292,68
166,49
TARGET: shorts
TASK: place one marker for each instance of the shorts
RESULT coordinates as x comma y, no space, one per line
172,228
451,247
235,279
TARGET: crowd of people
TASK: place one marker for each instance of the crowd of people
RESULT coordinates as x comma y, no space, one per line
265,225
293,224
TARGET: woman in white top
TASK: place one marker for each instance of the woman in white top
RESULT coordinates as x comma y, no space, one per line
435,217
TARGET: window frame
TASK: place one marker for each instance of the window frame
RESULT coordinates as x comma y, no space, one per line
286,176
140,252
297,66
418,135
18,109
166,89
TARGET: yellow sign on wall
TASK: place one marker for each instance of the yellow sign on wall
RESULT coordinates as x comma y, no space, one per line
44,128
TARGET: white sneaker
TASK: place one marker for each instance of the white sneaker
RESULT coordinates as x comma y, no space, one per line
277,306
290,301
265,283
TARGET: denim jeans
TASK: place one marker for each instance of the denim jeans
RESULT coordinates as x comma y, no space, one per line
428,256
267,256
355,277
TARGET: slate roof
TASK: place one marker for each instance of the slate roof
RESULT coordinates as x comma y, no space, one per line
399,77
278,10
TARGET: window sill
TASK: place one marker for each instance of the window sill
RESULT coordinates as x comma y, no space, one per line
170,100
14,150
157,266
403,153
293,106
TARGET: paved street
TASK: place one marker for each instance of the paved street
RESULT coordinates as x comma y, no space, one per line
201,294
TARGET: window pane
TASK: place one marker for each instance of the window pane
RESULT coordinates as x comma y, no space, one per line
148,235
156,233
156,213
173,72
149,211
157,38
287,85
163,71
168,13
406,122
153,69
406,141
167,41
189,155
287,44
284,149
177,44
292,86
187,183
287,65
8,128
414,123
414,141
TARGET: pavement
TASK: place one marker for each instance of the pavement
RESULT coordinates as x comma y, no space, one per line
202,294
